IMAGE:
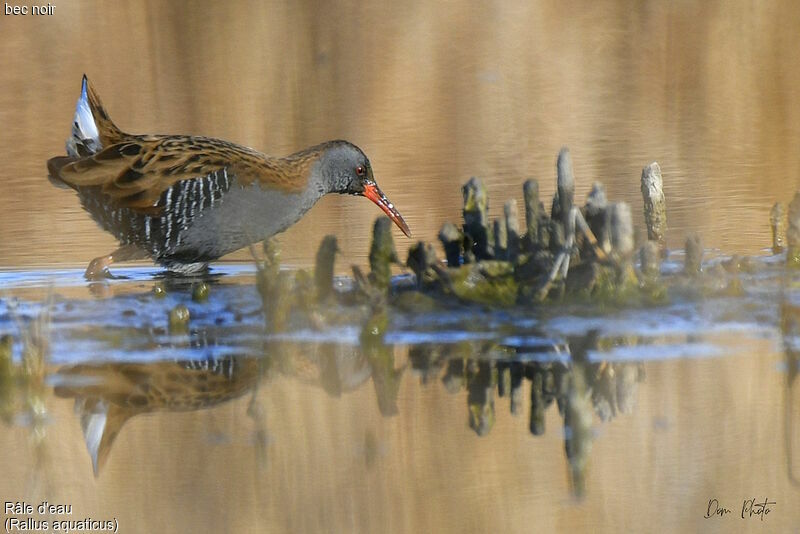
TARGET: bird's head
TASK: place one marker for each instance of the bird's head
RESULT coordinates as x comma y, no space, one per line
346,170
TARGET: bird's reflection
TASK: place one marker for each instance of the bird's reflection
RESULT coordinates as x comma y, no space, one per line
202,353
107,395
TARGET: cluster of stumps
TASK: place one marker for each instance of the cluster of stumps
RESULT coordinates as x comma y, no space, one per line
586,251
571,252
576,251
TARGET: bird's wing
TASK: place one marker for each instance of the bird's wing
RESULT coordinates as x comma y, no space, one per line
134,173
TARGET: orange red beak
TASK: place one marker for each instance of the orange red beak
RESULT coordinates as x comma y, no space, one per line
372,192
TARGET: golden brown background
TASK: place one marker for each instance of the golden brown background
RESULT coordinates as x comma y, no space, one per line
701,429
433,92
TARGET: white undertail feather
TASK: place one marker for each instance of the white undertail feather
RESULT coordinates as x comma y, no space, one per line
93,424
85,139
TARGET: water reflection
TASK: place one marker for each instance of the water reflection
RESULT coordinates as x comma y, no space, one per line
220,354
107,395
126,355
579,388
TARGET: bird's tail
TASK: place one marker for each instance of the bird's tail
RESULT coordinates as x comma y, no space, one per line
92,128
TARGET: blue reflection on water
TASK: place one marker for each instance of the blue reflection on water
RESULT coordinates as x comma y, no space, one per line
130,323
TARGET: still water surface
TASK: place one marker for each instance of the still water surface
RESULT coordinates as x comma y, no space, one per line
457,419
231,428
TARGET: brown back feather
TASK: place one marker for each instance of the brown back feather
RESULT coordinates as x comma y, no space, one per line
109,133
135,172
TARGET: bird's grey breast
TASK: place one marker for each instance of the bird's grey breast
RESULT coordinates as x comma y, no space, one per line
245,215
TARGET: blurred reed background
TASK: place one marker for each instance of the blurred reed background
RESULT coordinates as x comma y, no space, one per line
434,92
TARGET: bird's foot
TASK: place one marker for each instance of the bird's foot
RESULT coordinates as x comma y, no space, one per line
98,269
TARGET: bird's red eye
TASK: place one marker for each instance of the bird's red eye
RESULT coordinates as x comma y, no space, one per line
360,170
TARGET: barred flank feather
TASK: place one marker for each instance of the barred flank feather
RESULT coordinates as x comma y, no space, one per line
160,234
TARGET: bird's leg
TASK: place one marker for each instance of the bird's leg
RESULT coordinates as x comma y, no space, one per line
98,267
